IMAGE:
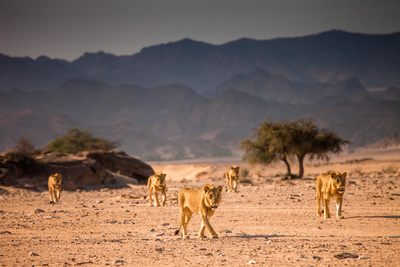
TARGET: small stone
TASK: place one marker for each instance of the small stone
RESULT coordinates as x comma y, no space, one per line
160,234
33,254
363,258
39,211
345,255
118,262
251,262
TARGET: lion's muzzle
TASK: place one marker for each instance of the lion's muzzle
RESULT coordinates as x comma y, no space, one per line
341,190
214,207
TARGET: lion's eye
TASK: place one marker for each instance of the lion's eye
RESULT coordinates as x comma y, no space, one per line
211,196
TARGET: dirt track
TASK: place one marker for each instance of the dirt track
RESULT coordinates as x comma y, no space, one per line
270,222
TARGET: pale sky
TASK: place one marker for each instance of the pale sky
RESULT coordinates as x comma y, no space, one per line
69,28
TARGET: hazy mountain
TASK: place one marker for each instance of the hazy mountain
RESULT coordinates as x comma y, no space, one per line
191,99
176,122
321,58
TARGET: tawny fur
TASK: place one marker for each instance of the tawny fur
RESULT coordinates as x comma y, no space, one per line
232,178
54,183
330,186
203,202
157,183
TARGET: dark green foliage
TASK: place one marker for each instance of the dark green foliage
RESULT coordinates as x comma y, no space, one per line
287,140
77,141
22,156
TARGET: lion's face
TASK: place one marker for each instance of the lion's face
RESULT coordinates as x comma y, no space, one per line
212,196
159,180
56,180
339,181
235,171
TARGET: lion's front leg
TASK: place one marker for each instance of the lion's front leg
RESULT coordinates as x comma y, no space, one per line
339,201
150,197
164,197
209,227
319,200
326,207
202,229
58,194
156,202
234,184
51,195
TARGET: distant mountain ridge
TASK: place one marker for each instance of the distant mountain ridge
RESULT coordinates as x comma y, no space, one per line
190,99
175,122
327,57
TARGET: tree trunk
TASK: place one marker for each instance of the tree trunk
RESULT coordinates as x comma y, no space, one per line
300,158
289,173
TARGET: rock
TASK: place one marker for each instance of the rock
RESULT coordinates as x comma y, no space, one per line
119,161
345,255
33,254
251,262
118,262
39,211
76,171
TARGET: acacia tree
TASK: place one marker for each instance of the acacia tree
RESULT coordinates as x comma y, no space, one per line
76,141
286,140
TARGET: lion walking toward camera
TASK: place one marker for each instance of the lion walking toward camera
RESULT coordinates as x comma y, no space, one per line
232,178
157,183
330,186
203,202
54,184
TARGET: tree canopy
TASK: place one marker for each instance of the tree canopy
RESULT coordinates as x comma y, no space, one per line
76,141
285,140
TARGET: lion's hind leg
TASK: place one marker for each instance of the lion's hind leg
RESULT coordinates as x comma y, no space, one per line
186,214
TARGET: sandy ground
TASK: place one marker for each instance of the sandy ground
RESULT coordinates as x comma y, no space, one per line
269,222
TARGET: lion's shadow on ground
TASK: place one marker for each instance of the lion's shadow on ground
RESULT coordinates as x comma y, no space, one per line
375,216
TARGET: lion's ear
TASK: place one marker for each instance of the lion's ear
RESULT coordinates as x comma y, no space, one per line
219,188
333,174
344,174
164,175
206,188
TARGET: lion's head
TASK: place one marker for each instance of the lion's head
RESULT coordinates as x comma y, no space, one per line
56,180
159,180
235,171
339,181
212,196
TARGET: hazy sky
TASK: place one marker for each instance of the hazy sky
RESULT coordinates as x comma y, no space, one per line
67,29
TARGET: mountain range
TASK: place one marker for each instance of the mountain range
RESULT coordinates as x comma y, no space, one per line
191,99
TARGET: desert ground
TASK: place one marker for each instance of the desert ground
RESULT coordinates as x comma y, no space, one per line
269,222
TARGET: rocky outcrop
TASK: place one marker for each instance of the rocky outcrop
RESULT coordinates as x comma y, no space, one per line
76,171
120,162
83,169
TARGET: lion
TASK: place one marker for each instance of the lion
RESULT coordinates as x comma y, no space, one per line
156,183
232,178
329,186
54,184
203,202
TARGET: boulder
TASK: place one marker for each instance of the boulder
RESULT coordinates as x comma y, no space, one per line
76,170
120,162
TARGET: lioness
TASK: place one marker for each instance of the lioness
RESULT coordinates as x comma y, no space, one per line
54,184
232,178
329,186
203,202
157,183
